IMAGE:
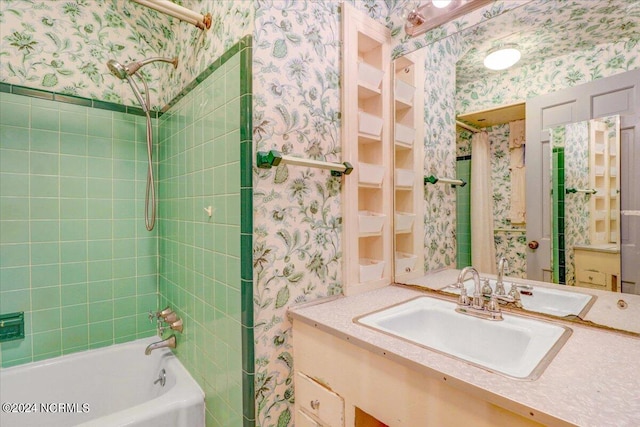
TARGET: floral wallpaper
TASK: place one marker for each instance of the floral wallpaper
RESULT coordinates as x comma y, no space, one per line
63,45
297,211
576,206
604,41
548,29
440,154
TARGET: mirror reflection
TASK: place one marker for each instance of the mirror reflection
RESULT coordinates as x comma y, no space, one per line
585,189
562,45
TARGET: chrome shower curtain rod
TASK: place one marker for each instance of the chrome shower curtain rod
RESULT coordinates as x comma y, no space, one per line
182,13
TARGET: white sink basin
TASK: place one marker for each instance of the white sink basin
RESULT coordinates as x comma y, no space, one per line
555,302
518,347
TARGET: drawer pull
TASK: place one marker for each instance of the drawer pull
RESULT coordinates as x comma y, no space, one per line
315,404
590,277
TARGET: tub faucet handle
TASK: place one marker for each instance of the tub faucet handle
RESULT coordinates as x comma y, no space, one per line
164,312
177,325
171,317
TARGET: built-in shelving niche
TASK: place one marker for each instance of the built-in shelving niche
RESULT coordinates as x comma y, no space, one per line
367,144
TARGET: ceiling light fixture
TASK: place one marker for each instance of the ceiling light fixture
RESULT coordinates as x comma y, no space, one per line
441,4
434,13
502,57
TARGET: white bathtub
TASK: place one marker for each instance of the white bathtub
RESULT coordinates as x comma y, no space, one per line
107,387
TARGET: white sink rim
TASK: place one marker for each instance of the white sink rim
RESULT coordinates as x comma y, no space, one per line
534,374
590,298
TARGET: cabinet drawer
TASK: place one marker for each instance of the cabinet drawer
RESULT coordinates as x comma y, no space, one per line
303,420
591,277
315,399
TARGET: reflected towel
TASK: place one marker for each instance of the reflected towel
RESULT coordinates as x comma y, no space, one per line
516,133
517,214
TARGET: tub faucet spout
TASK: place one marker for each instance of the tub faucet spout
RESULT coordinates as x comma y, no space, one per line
168,343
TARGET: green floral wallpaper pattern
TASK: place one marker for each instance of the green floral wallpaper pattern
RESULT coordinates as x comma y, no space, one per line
63,45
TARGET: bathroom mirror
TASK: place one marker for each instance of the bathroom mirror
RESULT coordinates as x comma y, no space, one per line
585,200
562,45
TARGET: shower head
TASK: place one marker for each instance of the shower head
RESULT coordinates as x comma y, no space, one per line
122,71
117,69
125,72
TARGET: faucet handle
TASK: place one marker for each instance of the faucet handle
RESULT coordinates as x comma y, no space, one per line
164,312
500,288
513,292
493,304
177,325
463,299
171,317
486,287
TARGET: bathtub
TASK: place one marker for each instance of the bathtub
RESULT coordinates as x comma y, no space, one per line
107,387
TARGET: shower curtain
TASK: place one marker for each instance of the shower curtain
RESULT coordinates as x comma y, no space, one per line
483,252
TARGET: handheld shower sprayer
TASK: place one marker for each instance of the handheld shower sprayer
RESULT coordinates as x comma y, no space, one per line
122,71
125,72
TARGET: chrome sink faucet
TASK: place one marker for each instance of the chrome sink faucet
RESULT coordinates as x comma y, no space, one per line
500,282
475,306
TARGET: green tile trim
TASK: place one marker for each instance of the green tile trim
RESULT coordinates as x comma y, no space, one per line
248,397
246,110
246,208
74,100
246,315
33,93
246,230
246,262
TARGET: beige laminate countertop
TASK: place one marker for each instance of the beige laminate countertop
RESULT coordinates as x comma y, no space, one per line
593,381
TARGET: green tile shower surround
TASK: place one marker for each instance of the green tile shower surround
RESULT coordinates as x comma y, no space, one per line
205,271
74,257
71,254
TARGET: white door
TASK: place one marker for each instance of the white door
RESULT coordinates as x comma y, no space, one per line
619,94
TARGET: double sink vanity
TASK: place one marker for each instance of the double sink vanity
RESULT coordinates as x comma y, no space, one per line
412,355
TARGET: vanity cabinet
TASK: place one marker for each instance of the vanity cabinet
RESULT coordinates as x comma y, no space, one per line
375,390
597,267
408,114
366,133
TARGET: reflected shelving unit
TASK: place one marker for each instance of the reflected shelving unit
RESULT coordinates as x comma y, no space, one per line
408,111
366,133
604,165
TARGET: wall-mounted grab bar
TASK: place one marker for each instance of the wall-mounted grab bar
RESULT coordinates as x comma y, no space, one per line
431,179
266,160
580,190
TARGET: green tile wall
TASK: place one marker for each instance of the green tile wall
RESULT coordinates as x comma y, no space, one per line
74,253
463,214
204,150
558,253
